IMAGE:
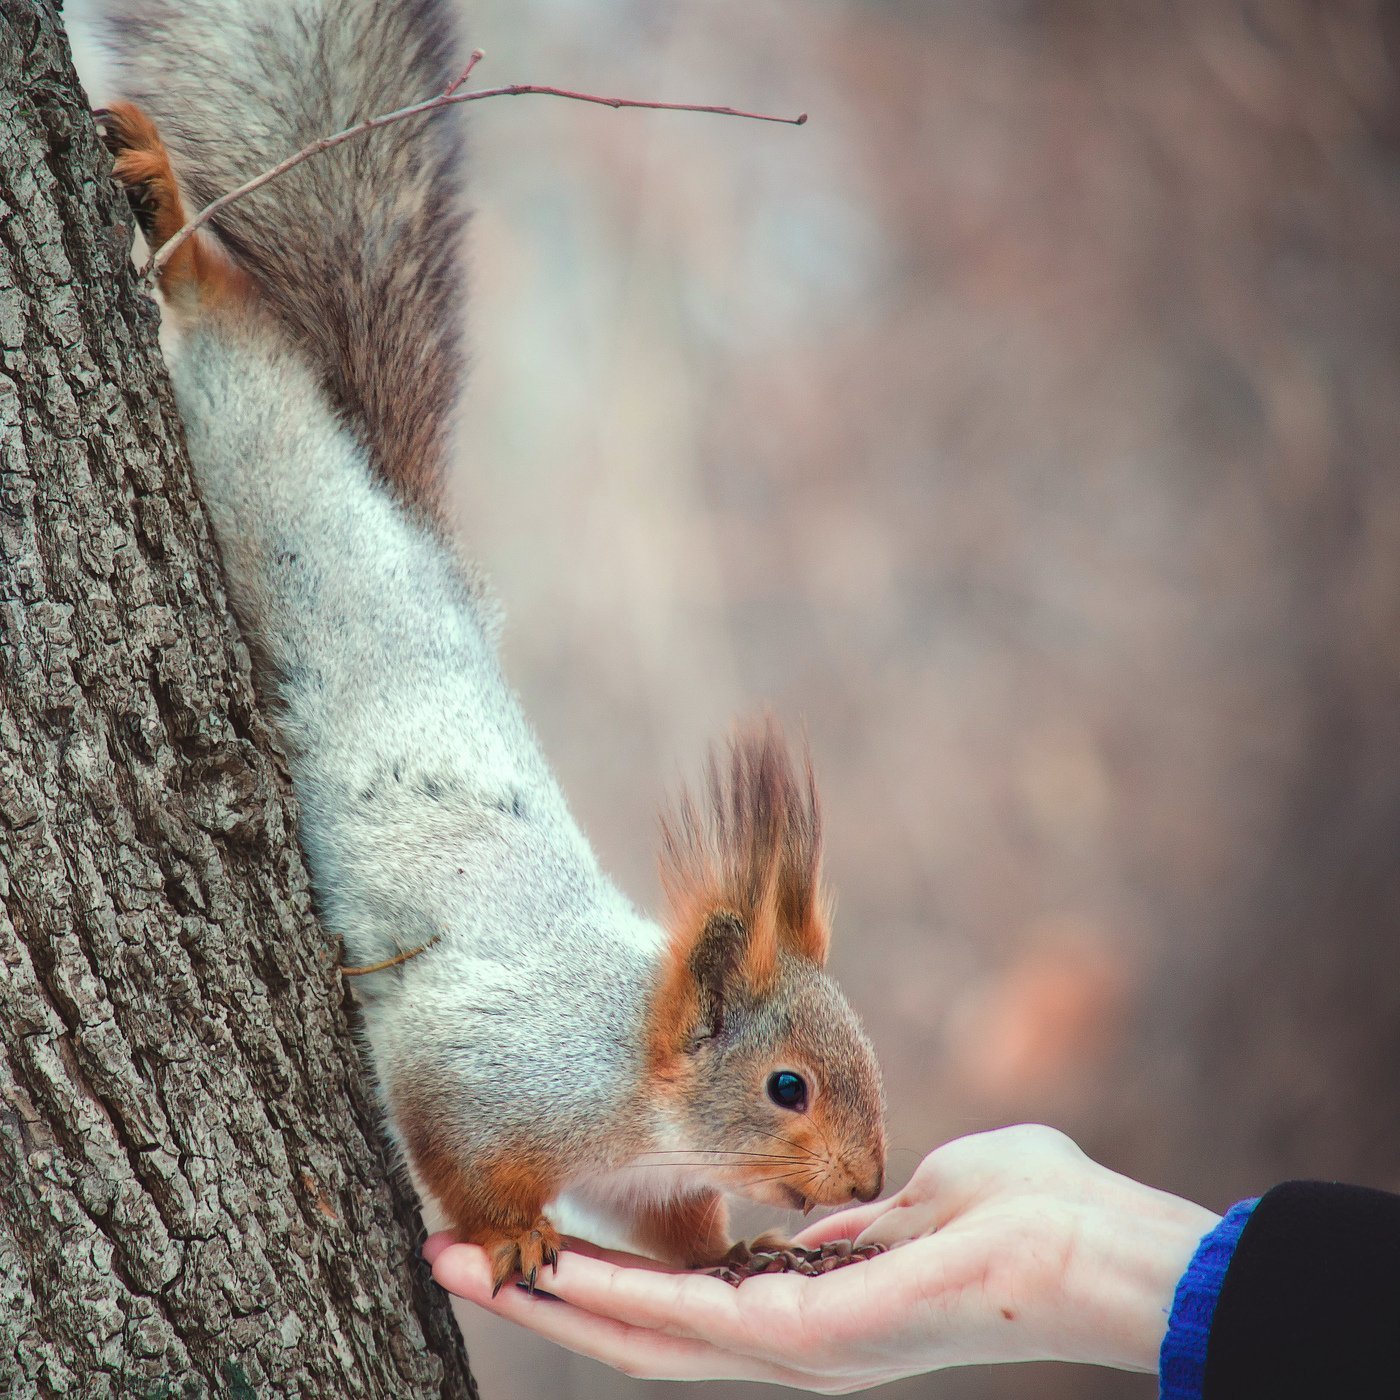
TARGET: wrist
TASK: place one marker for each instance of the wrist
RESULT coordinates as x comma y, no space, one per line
1136,1244
1182,1361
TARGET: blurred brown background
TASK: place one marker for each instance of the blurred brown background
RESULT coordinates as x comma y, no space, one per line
1026,424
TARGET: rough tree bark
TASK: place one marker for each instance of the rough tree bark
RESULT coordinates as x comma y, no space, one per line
193,1189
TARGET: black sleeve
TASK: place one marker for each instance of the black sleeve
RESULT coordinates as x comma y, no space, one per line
1310,1306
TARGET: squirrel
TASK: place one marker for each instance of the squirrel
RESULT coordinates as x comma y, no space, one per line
542,1050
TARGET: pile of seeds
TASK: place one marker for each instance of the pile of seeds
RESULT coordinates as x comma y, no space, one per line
748,1260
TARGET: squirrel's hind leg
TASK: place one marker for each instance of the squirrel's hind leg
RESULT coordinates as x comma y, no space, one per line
200,274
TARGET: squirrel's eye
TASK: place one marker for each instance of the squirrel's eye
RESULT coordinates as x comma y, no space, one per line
787,1090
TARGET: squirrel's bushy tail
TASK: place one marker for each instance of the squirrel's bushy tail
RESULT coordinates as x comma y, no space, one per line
357,249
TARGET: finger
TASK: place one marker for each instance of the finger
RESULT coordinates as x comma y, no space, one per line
435,1244
966,1169
681,1304
639,1351
621,1257
898,1225
844,1225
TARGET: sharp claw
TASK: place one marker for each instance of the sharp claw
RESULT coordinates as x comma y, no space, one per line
530,1281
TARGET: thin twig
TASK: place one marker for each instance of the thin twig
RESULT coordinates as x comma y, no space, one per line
390,962
450,96
477,56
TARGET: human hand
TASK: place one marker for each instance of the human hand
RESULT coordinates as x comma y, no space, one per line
1008,1246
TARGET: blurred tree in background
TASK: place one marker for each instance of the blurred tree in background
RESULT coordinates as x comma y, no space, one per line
1027,423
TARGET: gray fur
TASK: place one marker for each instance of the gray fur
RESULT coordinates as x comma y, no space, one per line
358,250
428,810
427,806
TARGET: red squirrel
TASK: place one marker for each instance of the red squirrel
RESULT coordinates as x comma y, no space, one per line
548,1058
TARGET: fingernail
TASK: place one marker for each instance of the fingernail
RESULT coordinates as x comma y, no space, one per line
535,1292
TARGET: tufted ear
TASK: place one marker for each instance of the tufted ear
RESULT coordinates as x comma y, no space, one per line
741,867
751,849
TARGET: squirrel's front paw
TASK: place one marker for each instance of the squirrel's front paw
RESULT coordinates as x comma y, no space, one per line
523,1254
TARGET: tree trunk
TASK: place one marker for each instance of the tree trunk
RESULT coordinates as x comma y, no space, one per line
194,1192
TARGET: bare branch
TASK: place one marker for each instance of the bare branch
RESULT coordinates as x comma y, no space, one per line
390,962
450,96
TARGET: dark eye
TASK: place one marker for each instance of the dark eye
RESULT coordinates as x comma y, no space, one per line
788,1090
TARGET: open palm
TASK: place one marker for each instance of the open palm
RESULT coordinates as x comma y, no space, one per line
1007,1246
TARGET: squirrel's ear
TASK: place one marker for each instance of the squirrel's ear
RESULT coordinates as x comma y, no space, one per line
742,872
704,971
752,849
715,963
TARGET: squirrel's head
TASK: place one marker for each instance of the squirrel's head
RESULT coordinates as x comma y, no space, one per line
766,1070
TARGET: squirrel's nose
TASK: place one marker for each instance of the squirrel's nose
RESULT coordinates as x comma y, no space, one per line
872,1186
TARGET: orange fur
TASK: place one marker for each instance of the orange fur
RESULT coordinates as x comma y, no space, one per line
674,1012
691,1230
830,1166
498,1203
755,849
751,852
200,270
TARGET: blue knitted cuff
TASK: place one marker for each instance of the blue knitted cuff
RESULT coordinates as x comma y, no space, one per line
1182,1365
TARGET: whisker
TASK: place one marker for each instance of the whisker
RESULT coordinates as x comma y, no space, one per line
764,1180
796,1162
826,1142
717,1152
899,1150
716,1205
787,1141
